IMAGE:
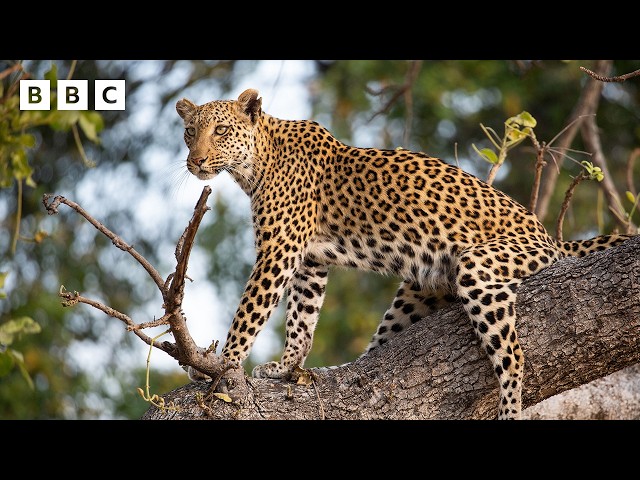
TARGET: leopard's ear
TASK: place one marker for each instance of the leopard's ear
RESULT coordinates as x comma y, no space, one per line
249,104
185,109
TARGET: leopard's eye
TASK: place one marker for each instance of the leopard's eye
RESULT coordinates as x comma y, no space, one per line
221,129
190,131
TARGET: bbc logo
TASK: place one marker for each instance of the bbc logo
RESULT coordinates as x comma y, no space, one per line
72,95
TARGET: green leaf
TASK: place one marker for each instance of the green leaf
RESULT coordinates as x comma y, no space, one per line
487,154
588,165
17,326
52,76
63,119
629,195
12,358
3,278
91,123
29,325
524,119
527,120
515,135
21,168
595,173
30,118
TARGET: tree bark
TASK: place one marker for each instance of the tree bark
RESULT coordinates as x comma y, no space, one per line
578,320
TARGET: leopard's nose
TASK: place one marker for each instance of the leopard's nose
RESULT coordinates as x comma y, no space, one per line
198,161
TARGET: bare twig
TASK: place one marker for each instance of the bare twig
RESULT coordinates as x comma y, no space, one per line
630,163
185,349
412,74
76,137
190,352
455,153
72,69
10,70
619,78
414,69
492,173
24,75
320,402
567,199
16,231
163,320
52,208
540,164
586,104
591,139
72,298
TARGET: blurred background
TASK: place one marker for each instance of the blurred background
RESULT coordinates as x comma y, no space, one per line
127,168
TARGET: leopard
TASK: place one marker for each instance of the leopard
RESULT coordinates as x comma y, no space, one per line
318,203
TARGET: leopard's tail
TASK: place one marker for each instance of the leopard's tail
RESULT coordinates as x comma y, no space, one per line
580,248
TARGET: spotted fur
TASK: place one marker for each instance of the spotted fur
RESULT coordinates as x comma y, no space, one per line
317,202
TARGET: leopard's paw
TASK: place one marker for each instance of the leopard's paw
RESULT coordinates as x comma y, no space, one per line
271,370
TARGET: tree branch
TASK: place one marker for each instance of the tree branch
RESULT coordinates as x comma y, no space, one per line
630,163
587,104
412,74
567,199
185,349
73,298
540,164
592,141
578,320
619,78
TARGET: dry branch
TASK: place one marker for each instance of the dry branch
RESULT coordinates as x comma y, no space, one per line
587,104
184,350
567,200
592,140
540,164
404,89
630,163
619,78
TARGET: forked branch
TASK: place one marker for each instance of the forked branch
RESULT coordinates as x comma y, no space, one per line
184,350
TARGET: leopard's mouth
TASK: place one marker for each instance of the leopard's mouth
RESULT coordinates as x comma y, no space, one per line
203,173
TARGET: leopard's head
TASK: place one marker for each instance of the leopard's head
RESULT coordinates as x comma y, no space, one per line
221,135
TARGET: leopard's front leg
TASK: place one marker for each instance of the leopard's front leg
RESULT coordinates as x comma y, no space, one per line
271,275
306,294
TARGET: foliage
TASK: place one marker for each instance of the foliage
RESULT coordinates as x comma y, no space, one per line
516,129
16,138
9,357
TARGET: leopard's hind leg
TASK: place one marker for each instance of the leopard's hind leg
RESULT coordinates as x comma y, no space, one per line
488,277
411,304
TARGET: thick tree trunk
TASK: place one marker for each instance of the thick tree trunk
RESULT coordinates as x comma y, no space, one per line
578,320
